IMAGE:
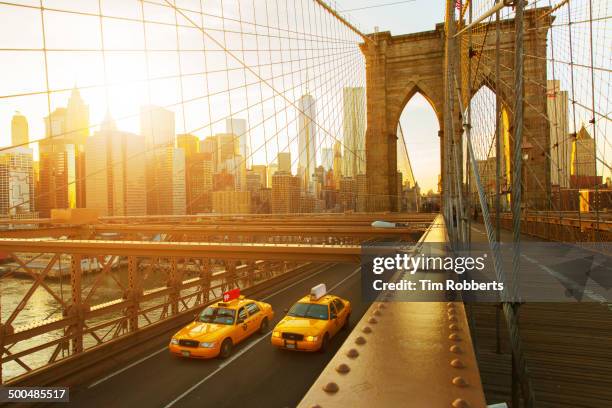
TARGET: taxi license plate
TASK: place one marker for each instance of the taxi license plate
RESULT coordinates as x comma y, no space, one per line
186,353
290,345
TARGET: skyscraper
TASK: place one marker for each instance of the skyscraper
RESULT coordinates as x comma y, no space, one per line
17,183
285,193
62,173
327,158
354,116
19,130
584,165
199,182
560,143
238,127
77,131
210,145
262,171
283,160
116,172
337,166
165,164
307,139
189,143
57,175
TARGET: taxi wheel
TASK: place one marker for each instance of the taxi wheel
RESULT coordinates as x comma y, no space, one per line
324,343
226,348
263,328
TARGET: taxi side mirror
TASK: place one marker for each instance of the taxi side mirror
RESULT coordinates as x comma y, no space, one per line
240,320
333,316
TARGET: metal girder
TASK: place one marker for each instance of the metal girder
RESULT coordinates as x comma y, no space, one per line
242,251
260,230
43,232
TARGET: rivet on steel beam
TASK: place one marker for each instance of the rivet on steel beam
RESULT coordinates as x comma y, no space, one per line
454,337
456,349
352,353
316,406
381,306
453,326
452,318
457,363
451,312
377,313
460,382
360,340
367,330
450,304
331,387
343,368
372,320
460,403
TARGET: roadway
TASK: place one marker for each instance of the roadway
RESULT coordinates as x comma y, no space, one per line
256,374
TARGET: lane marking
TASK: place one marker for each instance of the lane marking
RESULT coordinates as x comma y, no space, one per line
244,350
135,363
478,231
585,291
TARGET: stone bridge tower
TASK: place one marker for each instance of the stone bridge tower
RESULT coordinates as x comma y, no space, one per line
397,67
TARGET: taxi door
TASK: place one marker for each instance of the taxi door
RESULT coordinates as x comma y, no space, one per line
254,319
341,311
334,319
242,324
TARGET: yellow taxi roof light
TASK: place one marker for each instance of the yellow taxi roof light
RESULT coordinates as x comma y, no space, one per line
317,292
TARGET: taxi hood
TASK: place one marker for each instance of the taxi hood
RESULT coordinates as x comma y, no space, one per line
200,331
301,325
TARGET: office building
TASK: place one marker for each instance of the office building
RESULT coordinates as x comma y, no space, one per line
238,128
17,183
584,163
283,160
211,145
231,202
347,193
20,135
189,143
285,193
262,171
327,158
165,164
560,142
353,127
307,139
199,182
116,172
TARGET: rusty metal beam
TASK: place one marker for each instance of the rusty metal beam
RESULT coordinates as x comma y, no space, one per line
260,230
241,251
43,232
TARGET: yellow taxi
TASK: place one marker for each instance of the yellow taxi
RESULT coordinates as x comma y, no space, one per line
312,321
219,327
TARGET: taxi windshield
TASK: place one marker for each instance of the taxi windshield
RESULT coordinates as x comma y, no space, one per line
217,315
310,310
